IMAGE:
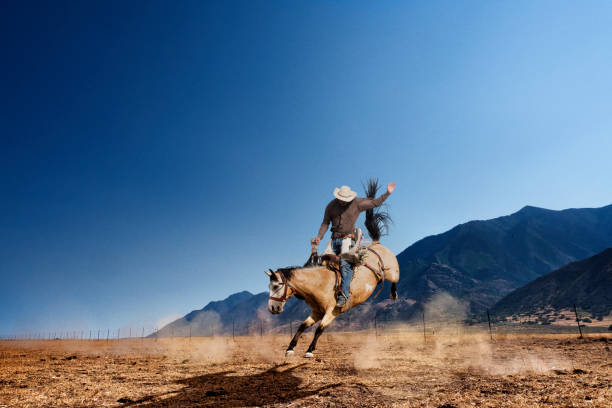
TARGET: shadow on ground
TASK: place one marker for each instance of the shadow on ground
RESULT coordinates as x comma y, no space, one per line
229,390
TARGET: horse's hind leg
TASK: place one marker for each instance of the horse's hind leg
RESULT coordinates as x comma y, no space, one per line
312,319
394,291
326,321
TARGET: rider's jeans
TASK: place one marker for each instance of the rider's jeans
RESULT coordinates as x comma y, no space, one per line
346,269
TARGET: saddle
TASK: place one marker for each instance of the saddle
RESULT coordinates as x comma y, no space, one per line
356,256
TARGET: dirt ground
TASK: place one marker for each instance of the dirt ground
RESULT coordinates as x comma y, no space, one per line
398,368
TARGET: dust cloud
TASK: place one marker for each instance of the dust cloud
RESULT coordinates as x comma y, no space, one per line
205,324
367,354
455,342
448,342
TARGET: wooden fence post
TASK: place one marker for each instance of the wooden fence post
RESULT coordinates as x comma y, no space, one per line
489,319
375,326
424,333
578,321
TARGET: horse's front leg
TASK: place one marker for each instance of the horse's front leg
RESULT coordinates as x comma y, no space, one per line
312,319
326,321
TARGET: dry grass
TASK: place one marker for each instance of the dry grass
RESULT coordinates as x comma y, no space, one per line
350,369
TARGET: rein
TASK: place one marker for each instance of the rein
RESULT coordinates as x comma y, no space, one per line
288,288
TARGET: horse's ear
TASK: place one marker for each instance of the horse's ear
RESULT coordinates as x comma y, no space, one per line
269,273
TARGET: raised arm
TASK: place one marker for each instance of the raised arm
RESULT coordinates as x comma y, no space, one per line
369,203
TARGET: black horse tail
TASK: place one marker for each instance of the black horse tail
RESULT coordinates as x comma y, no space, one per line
377,220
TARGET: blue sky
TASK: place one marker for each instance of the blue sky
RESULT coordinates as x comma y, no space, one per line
157,156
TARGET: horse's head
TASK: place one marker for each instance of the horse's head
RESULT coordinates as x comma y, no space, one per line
280,291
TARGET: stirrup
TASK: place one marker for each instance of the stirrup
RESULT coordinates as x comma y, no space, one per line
339,301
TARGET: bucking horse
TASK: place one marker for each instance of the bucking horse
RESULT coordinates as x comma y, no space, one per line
316,282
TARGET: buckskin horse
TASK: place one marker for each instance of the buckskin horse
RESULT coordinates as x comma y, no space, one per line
315,284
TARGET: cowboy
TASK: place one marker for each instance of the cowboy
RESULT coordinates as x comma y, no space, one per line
342,212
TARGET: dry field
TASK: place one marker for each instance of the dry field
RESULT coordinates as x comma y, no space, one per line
452,369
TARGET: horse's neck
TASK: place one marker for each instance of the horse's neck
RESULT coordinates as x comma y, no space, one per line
310,281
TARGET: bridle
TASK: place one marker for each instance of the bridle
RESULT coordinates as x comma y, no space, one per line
287,288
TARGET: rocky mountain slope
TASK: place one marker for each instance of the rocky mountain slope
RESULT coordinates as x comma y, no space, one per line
482,261
586,283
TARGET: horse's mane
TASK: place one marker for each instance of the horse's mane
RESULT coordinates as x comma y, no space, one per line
288,271
377,220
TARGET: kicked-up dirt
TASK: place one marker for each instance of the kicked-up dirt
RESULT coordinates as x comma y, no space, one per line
396,368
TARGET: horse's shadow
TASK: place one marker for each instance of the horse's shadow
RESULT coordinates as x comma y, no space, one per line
226,389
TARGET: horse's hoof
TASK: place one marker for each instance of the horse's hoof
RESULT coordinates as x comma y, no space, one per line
308,355
289,353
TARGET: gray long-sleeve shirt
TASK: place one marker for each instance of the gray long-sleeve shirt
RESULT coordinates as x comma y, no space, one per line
343,217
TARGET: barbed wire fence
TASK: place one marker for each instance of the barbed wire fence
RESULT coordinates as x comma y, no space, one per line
427,326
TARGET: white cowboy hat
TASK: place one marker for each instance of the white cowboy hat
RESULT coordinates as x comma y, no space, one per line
344,193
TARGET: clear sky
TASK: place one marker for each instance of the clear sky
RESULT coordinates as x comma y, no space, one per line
156,156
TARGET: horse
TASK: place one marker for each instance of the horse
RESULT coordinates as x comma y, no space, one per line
315,285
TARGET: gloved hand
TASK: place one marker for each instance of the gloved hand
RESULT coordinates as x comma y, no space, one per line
314,244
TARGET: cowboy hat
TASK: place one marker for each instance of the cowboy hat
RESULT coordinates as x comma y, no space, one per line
344,193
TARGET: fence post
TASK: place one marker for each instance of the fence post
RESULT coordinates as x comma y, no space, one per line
260,328
424,334
489,319
375,326
577,321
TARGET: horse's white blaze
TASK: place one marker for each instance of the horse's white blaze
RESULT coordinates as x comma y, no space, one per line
278,292
275,303
369,287
275,306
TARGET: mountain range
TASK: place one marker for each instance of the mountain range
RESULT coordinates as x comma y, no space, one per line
587,283
482,261
478,263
